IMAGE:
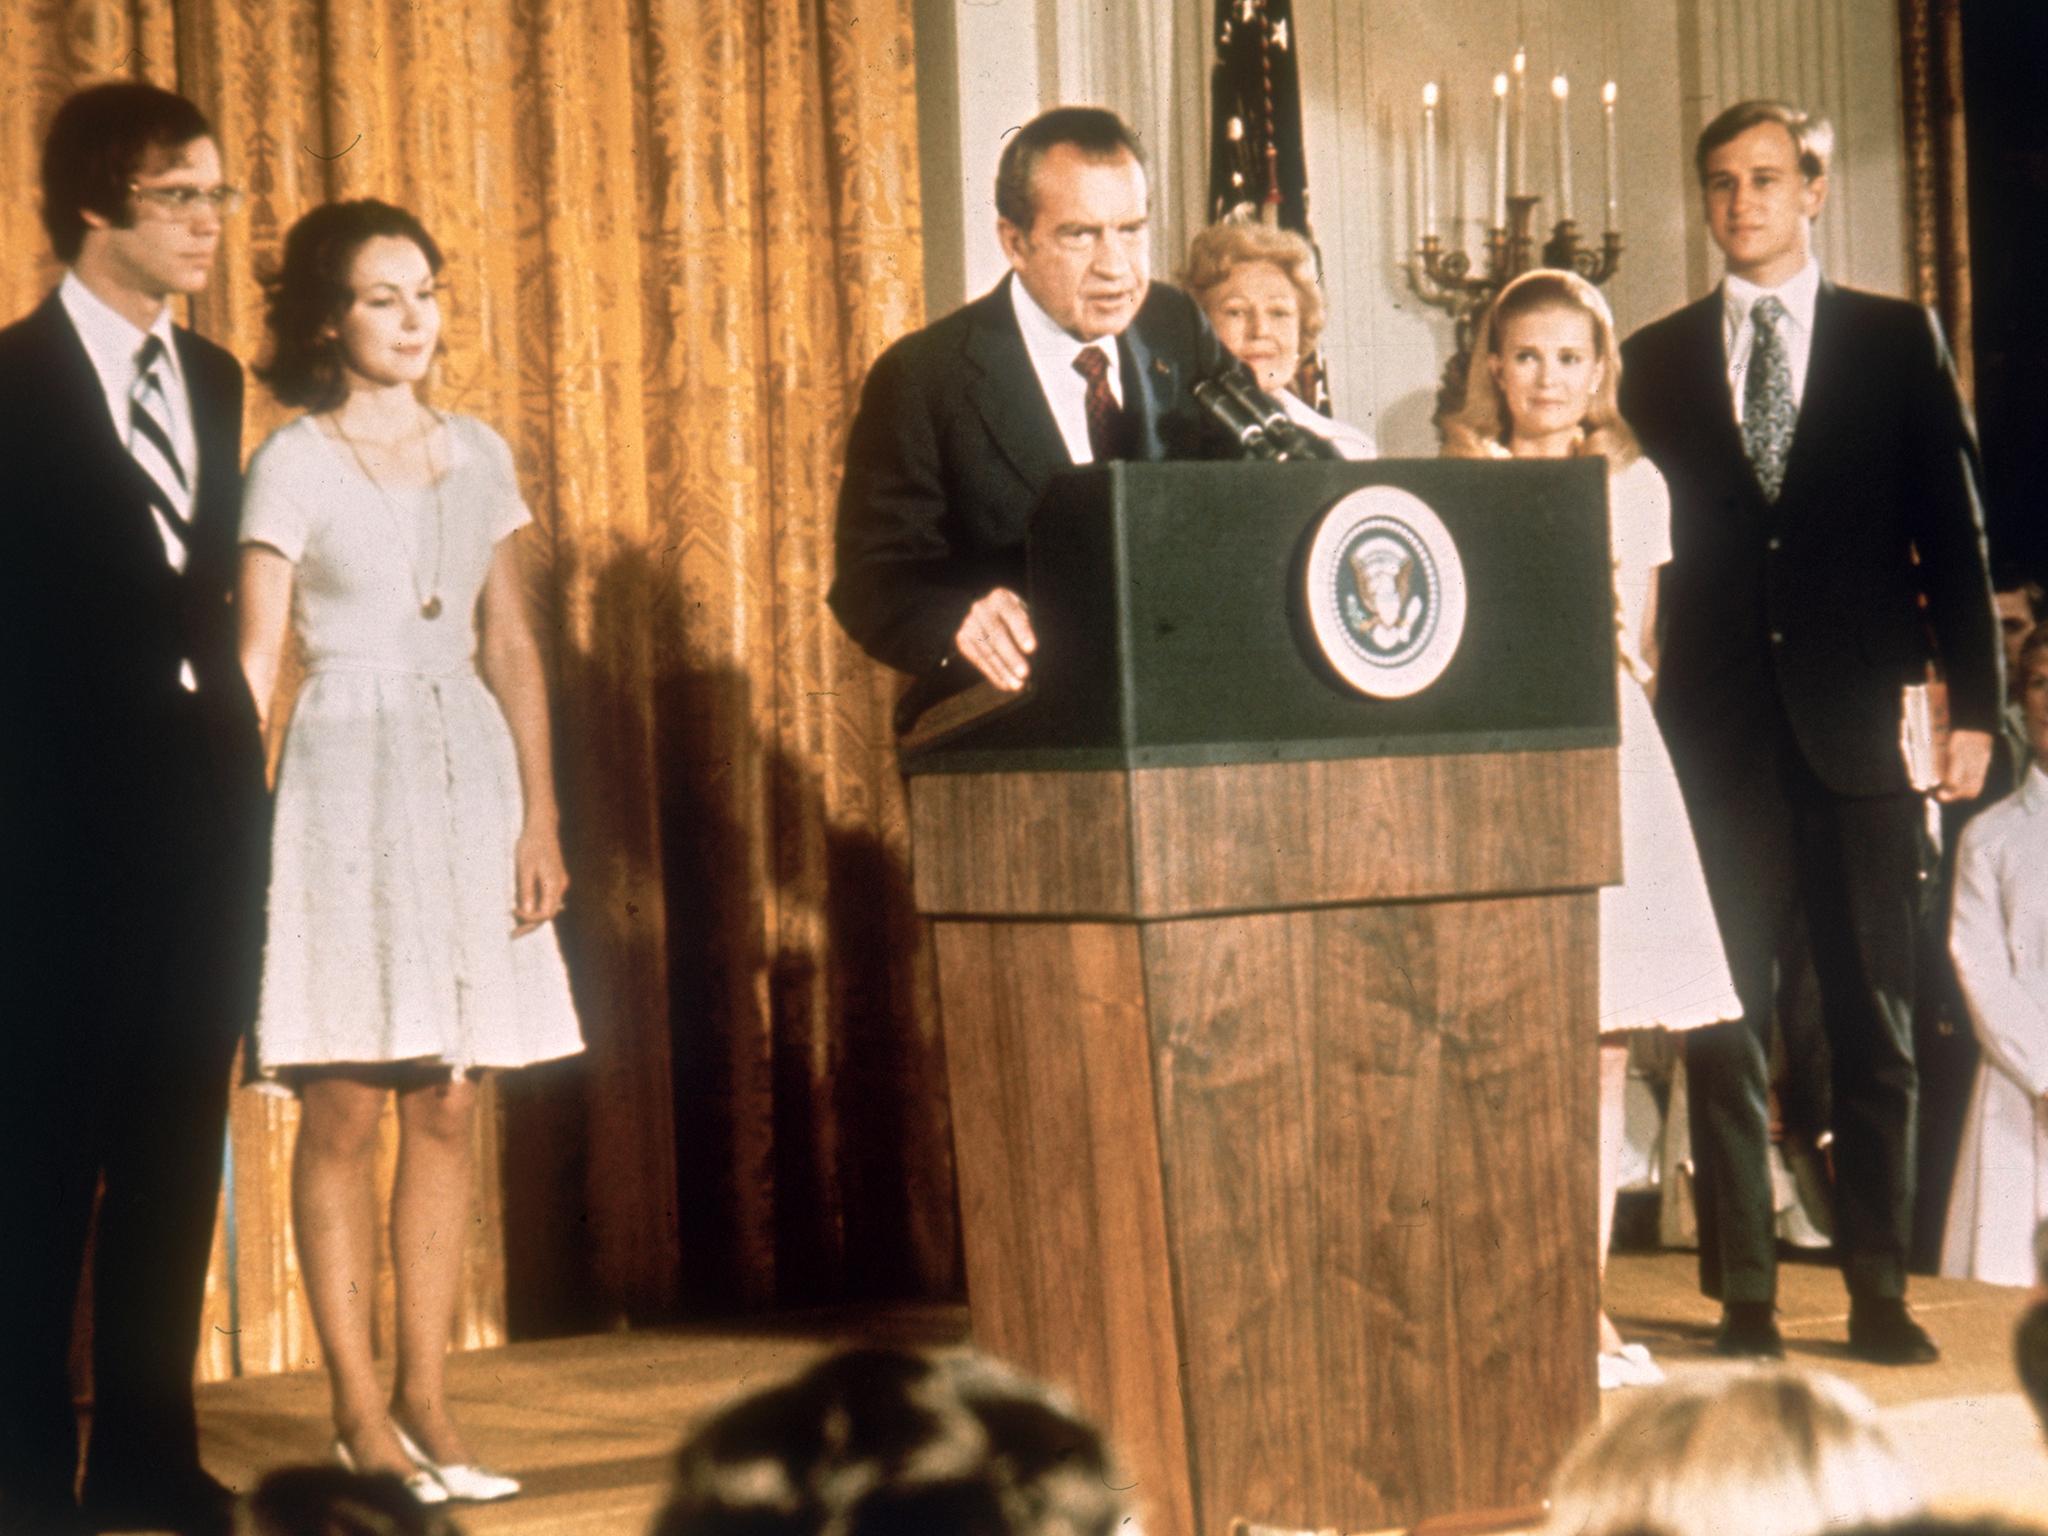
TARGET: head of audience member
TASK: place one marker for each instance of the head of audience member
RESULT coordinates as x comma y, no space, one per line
132,193
1073,215
1766,1453
1763,169
873,1442
2021,605
352,303
2031,673
1544,375
327,1501
1257,284
1945,1525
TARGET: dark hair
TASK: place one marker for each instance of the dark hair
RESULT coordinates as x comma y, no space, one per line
883,1442
1095,131
2032,649
327,1501
1813,138
2009,576
310,292
97,143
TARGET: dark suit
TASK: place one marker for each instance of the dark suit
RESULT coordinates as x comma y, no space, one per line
132,833
1789,631
952,447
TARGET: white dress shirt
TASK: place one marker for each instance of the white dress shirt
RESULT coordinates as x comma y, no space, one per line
111,341
1052,353
1798,294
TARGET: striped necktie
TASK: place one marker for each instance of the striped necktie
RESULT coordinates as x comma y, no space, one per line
151,442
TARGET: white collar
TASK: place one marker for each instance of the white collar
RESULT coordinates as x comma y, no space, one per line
2034,789
1799,293
111,339
1046,340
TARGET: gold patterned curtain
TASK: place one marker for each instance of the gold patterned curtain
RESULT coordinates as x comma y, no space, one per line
678,231
1937,186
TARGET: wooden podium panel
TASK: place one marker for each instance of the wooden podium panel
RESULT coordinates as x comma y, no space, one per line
1248,836
1301,1203
1068,1273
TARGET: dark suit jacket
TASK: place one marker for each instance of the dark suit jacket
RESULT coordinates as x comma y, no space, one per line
1816,598
132,813
952,447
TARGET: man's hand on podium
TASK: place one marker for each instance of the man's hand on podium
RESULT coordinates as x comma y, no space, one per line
996,637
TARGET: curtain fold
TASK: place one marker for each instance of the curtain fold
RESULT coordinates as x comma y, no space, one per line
1937,161
677,232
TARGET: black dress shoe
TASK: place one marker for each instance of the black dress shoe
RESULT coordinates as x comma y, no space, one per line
1749,1331
192,1505
1883,1332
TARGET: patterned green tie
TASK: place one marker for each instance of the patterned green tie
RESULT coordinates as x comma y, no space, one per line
1768,414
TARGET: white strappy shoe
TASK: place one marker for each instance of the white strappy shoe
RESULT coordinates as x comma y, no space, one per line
462,1481
423,1485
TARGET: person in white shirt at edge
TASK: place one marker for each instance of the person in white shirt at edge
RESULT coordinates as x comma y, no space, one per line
1257,284
1998,935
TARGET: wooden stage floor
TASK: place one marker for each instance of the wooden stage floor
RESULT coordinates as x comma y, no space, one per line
589,1423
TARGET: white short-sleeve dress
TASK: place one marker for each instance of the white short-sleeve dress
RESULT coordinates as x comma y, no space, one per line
398,798
1661,959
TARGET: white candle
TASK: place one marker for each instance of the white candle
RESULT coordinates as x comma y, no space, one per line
1613,160
1429,95
1561,91
1500,151
1518,157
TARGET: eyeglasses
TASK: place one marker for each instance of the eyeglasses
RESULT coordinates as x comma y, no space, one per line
184,202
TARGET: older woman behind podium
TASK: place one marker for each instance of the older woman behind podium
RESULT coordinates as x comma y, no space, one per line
1257,284
1542,384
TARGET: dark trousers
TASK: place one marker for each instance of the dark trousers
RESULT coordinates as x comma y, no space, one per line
1788,861
142,1106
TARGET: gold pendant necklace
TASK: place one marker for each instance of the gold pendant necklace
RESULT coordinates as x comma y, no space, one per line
429,600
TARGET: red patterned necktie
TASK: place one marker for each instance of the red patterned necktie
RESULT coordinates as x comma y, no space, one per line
1105,416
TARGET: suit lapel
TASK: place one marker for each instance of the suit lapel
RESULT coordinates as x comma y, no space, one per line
1151,382
1827,363
1713,405
80,412
1006,392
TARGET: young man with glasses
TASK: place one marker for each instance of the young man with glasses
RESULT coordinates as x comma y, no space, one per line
131,818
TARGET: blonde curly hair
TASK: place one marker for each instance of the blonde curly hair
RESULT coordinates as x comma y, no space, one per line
1222,248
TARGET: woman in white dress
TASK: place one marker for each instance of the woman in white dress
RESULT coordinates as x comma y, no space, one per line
416,866
1257,284
1998,935
1542,384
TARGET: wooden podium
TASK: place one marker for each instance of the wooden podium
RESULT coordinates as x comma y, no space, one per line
1270,1008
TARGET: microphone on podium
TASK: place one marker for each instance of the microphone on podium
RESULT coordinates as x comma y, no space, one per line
1256,422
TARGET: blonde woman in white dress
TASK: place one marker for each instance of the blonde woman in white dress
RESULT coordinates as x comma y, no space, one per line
1542,385
416,864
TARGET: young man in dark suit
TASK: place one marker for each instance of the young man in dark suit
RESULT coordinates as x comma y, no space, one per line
131,818
1823,482
1074,357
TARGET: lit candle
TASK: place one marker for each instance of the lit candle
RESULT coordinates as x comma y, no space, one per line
1518,157
1561,91
1429,158
1500,151
1613,160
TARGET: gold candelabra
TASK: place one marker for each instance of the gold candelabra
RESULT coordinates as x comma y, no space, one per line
1445,277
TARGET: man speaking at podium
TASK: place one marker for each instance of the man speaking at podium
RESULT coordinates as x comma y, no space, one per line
1074,357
